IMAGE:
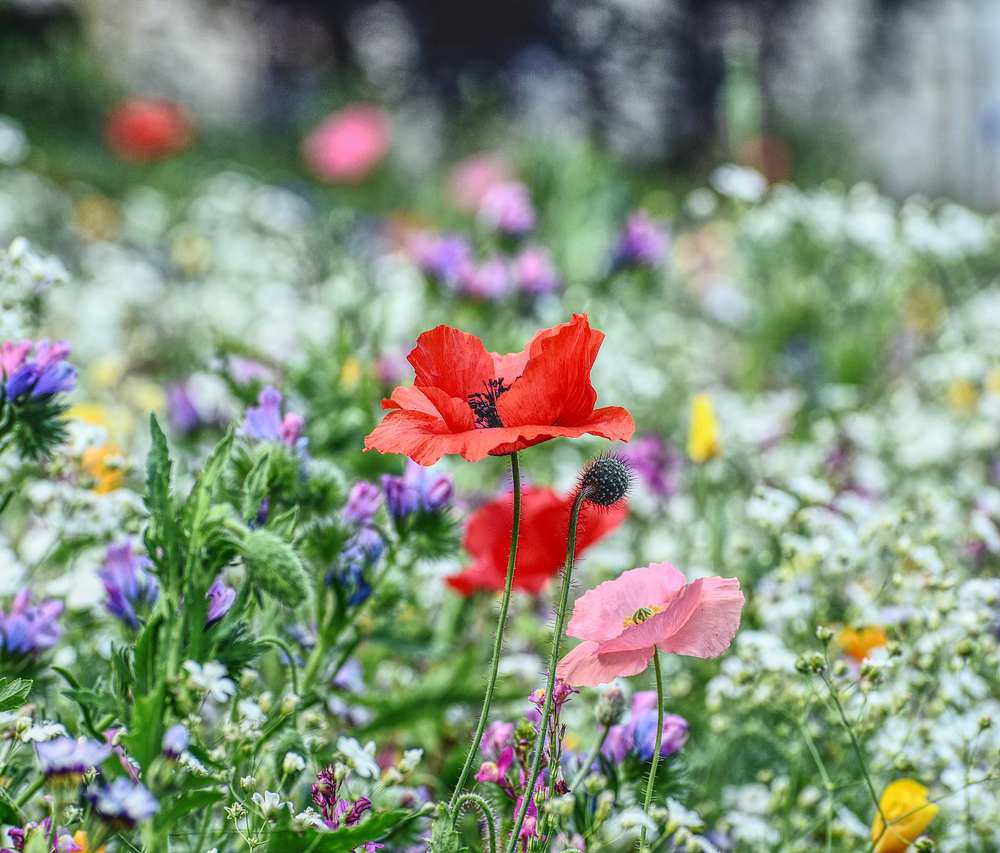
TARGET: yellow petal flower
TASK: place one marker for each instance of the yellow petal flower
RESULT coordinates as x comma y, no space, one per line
80,837
703,433
908,813
858,644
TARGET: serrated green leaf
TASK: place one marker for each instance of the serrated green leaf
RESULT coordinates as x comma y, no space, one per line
13,693
158,465
197,505
255,486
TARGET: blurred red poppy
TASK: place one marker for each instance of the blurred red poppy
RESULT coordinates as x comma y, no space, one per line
541,548
140,130
476,403
348,145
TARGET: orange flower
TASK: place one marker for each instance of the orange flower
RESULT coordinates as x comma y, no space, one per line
859,644
905,807
476,403
80,837
104,464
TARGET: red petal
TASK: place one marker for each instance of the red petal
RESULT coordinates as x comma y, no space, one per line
454,361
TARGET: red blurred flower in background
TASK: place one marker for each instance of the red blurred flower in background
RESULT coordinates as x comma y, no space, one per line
348,145
141,130
476,403
541,549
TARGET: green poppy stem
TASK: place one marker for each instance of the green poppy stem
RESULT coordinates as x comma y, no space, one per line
515,472
656,745
536,761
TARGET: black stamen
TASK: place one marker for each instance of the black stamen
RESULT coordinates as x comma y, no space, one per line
484,404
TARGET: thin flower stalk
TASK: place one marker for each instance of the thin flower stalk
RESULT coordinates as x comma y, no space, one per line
536,761
515,472
656,746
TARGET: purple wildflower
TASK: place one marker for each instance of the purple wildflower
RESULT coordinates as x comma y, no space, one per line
175,741
221,599
29,630
496,771
264,422
62,841
560,695
496,738
181,410
655,462
533,272
46,373
362,503
127,582
419,489
643,242
361,551
124,803
638,735
486,281
507,208
336,810
69,758
441,256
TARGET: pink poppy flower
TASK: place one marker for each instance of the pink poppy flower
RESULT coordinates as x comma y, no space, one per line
348,145
623,621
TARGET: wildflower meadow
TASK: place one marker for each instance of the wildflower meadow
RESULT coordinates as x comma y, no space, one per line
525,503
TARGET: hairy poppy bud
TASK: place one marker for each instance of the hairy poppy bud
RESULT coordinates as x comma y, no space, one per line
607,480
274,567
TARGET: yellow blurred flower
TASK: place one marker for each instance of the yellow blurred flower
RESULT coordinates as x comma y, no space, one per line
350,373
96,218
106,466
963,395
858,644
192,255
703,432
905,807
80,837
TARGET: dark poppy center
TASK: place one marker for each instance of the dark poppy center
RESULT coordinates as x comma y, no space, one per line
484,404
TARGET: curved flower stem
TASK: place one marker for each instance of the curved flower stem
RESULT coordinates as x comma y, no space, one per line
656,745
488,816
595,750
515,472
536,761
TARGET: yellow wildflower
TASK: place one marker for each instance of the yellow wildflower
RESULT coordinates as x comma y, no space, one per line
905,807
703,433
859,643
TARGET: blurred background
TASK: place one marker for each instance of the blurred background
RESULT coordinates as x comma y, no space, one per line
902,92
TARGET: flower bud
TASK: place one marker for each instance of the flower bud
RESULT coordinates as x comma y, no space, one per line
289,704
607,480
610,706
603,809
594,784
274,567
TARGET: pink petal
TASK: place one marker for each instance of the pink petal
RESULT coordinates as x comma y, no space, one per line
655,630
710,630
584,667
600,612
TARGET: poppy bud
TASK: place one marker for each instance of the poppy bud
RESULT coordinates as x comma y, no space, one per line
607,480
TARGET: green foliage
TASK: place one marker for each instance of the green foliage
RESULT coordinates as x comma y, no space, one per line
13,693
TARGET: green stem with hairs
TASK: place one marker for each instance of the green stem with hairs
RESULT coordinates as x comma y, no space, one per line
515,472
536,761
656,745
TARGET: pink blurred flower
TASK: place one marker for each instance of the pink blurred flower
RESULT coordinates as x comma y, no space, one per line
473,177
348,145
624,621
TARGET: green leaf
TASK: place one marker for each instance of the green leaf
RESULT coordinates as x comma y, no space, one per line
145,738
13,694
255,486
93,700
8,811
182,806
158,464
284,524
197,505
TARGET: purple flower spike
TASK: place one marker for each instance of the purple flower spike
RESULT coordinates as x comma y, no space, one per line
29,630
507,208
265,423
221,599
124,803
643,242
362,503
534,273
43,375
420,488
69,758
441,256
127,583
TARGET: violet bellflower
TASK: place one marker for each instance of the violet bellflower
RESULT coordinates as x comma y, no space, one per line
638,735
487,281
265,423
221,598
124,803
175,740
45,373
28,630
420,489
127,582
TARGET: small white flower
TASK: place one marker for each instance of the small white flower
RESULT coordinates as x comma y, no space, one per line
362,760
250,711
411,758
270,804
308,819
210,678
293,763
43,731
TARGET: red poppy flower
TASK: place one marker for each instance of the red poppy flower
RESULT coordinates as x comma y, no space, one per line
541,548
143,129
476,403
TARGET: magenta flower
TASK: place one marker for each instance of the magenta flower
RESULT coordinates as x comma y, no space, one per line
441,256
485,281
47,372
534,273
220,599
507,208
362,503
624,621
348,145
